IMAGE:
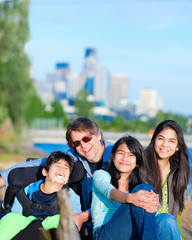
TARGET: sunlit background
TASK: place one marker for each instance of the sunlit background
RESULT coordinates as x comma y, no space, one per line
144,45
126,64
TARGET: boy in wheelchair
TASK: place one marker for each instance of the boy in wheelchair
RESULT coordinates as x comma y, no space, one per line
37,203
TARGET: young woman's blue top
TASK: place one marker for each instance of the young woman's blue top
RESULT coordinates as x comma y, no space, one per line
102,207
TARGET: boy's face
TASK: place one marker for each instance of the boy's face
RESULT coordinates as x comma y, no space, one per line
58,172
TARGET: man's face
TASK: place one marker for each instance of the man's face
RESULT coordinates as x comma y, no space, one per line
88,145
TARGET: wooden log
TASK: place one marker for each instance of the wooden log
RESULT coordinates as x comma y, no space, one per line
66,229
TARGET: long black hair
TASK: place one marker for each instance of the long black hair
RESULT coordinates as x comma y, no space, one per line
179,163
139,173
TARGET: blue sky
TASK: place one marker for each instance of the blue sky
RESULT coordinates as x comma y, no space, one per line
149,40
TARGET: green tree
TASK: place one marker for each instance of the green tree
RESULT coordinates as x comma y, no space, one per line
15,82
34,108
104,125
119,124
83,107
3,114
181,120
56,111
138,125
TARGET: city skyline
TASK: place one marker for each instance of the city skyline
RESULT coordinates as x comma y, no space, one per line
150,41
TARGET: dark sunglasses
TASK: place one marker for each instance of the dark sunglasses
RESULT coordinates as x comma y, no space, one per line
84,139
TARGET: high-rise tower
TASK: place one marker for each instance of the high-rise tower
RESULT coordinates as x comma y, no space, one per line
118,94
60,81
149,103
94,78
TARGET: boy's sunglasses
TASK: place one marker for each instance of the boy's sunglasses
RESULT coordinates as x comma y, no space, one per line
84,139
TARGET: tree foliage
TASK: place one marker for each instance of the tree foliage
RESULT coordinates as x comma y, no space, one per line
119,124
181,120
138,125
104,125
34,108
56,111
15,82
84,108
3,114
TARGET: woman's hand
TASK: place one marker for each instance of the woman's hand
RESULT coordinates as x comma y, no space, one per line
146,200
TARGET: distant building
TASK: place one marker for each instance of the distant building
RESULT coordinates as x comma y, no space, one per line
149,104
118,92
62,68
90,52
45,91
95,79
109,92
104,113
74,86
65,84
60,81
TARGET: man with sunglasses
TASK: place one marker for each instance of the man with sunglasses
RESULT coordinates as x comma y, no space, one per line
87,146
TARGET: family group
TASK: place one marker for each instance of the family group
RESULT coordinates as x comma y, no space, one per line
126,192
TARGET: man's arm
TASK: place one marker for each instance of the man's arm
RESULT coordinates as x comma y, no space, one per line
80,218
32,163
2,183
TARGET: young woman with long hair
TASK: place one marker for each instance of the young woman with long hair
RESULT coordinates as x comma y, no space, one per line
167,157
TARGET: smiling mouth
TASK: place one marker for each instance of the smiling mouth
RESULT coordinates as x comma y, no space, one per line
59,177
163,150
126,164
87,150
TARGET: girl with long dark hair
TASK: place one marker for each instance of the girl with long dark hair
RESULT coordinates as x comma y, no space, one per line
167,157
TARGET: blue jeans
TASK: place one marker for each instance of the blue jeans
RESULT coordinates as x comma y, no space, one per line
129,222
167,227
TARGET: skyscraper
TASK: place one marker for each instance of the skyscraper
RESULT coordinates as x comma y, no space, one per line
149,102
118,94
60,81
94,78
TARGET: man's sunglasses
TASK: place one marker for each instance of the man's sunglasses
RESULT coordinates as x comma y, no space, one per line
84,139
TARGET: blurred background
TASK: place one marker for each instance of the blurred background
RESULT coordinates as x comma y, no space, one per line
126,64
